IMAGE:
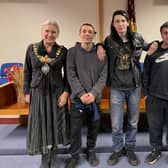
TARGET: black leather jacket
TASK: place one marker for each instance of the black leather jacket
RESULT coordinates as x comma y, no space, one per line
112,48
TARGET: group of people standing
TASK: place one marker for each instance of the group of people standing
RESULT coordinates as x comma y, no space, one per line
52,74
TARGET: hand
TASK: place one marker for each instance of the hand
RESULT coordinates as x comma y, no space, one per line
153,47
145,97
84,98
90,98
27,98
62,100
101,53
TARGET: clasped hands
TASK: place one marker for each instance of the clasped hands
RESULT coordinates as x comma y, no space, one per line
87,98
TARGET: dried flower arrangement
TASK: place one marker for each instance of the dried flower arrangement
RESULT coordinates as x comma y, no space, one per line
15,74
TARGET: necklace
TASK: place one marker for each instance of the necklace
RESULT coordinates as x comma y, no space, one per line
45,59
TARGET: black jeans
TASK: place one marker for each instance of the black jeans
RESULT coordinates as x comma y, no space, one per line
157,115
76,126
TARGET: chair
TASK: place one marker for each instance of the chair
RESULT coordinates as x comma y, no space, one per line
3,73
8,65
3,81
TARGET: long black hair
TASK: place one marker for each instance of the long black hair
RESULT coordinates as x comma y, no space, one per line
113,32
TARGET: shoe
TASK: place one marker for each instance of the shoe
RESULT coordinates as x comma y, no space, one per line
45,161
114,158
92,158
73,161
132,158
153,157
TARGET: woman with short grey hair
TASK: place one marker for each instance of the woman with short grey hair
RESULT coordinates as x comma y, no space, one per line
46,90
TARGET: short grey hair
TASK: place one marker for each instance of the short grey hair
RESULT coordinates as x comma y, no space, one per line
52,22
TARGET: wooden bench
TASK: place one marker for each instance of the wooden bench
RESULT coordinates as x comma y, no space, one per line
14,109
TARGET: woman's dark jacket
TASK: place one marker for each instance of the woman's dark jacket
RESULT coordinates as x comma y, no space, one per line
32,68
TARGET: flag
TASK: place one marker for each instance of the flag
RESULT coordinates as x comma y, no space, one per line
131,14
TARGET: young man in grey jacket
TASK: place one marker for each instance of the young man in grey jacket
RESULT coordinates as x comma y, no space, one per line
87,77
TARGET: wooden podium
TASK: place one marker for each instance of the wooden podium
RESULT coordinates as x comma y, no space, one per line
10,111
